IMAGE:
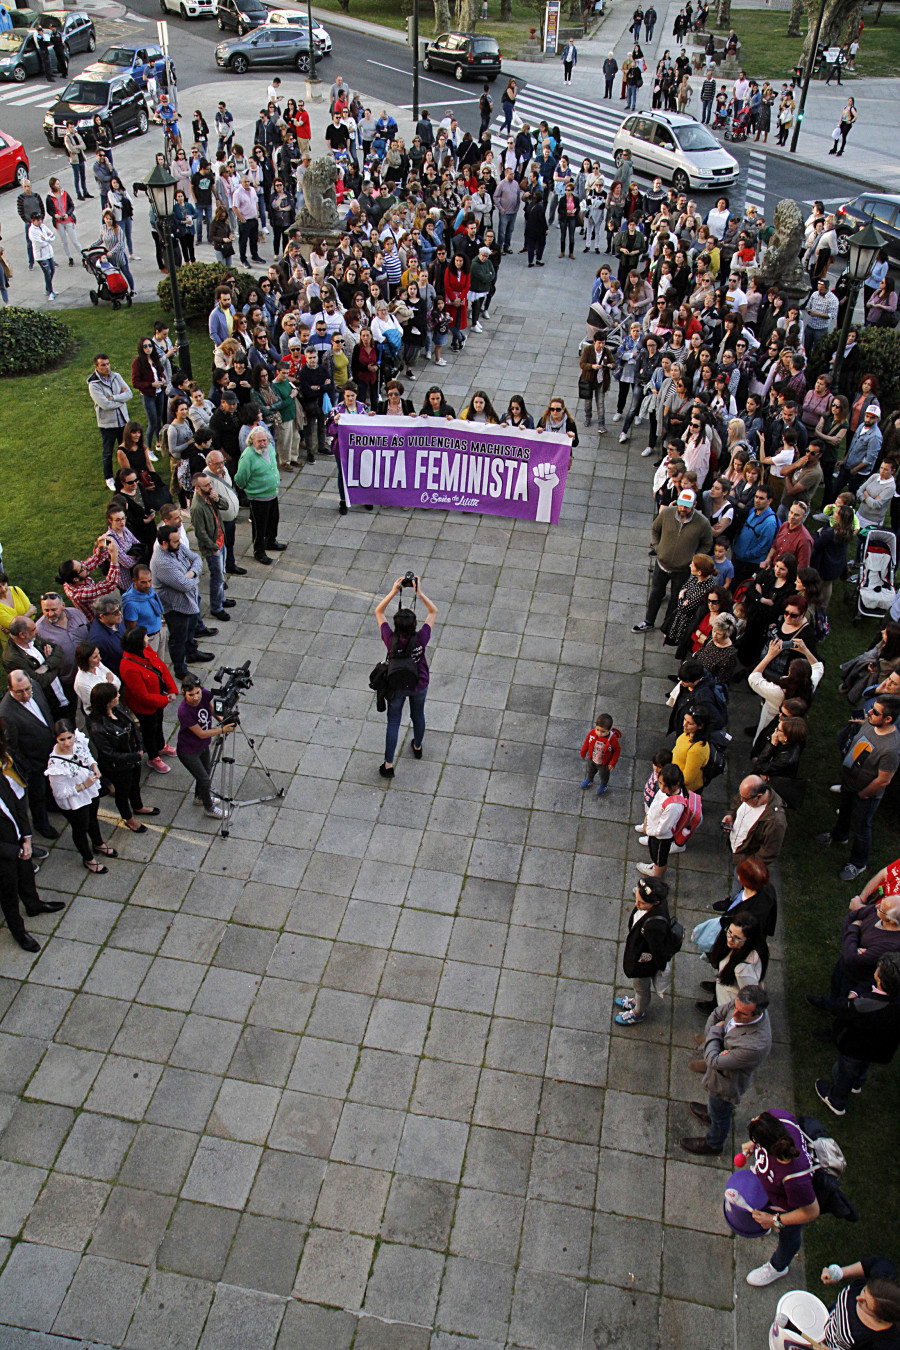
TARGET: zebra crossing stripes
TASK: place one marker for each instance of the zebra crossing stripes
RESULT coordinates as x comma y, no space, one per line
588,131
17,97
756,179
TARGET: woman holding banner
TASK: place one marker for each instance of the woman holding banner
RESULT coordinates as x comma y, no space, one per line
457,282
405,640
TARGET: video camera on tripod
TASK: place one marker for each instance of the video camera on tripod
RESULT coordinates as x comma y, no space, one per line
225,700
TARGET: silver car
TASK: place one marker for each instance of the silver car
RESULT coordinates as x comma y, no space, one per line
279,18
676,148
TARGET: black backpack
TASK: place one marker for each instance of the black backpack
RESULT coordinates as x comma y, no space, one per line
674,937
715,765
399,674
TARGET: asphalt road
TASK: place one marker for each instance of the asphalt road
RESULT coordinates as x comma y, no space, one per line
381,69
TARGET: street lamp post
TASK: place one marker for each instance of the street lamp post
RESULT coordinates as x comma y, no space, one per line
415,45
864,246
312,46
161,187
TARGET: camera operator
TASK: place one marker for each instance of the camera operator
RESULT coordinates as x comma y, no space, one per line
197,725
403,638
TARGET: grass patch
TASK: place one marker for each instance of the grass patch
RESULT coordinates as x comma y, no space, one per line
54,496
813,905
394,13
764,32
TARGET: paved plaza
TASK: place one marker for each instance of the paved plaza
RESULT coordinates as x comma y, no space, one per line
348,1078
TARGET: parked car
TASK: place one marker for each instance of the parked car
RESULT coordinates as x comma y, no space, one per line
265,48
13,161
467,55
117,98
871,208
77,28
19,56
138,62
240,16
278,18
676,148
190,9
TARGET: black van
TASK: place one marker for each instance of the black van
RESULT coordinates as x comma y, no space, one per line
467,55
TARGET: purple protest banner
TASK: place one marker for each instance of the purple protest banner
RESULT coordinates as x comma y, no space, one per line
453,466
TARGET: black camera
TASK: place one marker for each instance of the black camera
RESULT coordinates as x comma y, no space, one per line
234,683
409,580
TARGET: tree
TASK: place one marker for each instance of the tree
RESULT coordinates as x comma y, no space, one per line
505,11
797,13
466,15
839,23
442,16
723,14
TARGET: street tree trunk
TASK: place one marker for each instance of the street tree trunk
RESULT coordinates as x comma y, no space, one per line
798,13
467,12
442,22
723,13
839,24
505,11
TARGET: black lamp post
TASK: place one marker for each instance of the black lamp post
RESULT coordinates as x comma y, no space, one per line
161,187
807,76
864,247
313,77
415,43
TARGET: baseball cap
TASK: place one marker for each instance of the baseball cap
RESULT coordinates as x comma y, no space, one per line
687,498
873,408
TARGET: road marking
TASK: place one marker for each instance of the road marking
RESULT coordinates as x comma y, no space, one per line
42,97
423,79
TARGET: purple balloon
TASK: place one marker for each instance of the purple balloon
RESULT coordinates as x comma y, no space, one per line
751,1189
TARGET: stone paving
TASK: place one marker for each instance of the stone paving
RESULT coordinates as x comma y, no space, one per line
348,1078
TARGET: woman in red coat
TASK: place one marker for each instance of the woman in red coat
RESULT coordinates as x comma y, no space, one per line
148,688
456,298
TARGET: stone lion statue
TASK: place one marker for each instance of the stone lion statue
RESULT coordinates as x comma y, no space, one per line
319,210
781,265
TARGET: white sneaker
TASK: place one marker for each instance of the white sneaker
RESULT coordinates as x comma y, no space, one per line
110,483
623,436
647,450
428,356
647,869
478,328
643,840
677,848
835,787
764,1275
617,417
485,313
440,363
214,811
638,421
154,459
52,295
639,829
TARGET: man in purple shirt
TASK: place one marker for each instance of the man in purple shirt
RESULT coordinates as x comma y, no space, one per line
782,1163
405,638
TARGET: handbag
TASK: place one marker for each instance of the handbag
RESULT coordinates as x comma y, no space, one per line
226,248
585,389
7,270
705,934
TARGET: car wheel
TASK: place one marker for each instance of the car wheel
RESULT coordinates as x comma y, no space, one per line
239,64
242,29
843,245
680,181
460,74
21,174
19,74
426,64
92,42
618,157
221,25
184,13
143,123
302,62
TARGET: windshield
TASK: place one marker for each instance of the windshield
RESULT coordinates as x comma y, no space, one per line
11,42
87,91
118,56
696,138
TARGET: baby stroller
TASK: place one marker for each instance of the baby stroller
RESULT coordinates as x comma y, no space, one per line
111,283
740,126
875,591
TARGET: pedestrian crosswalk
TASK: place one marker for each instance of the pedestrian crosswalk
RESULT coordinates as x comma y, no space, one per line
588,130
21,96
756,179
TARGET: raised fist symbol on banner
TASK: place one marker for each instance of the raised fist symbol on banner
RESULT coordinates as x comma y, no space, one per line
546,478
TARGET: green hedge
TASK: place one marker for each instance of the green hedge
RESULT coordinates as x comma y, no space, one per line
197,283
31,341
880,356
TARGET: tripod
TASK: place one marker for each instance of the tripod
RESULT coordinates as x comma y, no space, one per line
225,794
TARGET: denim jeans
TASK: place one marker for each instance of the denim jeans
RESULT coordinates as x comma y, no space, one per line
659,582
152,407
507,224
215,562
788,1246
182,643
48,267
80,181
28,248
631,93
205,212
855,819
394,715
109,437
707,106
846,1075
720,1113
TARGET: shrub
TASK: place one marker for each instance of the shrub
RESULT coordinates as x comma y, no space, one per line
198,282
31,341
880,356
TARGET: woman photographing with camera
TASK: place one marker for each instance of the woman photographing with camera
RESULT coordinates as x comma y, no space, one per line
405,642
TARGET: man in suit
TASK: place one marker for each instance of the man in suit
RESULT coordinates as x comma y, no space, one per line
16,868
29,736
41,659
736,1041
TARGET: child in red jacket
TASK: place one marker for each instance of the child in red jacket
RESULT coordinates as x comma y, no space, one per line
602,747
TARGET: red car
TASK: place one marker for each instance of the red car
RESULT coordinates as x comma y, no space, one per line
13,161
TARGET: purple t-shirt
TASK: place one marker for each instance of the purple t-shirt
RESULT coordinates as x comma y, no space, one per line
200,715
788,1184
420,640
